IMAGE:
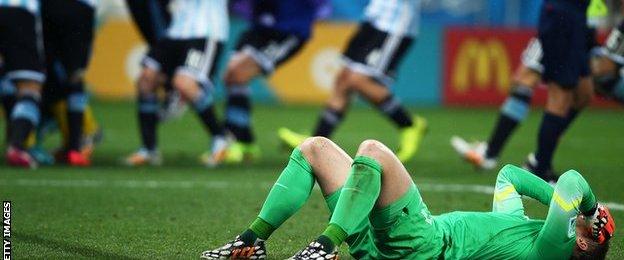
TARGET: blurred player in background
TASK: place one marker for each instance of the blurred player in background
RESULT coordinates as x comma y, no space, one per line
22,62
372,57
516,107
513,111
377,209
68,31
607,68
152,17
7,97
187,55
563,34
279,29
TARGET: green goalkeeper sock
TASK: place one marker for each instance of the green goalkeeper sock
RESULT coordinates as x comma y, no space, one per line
331,237
258,229
287,196
357,198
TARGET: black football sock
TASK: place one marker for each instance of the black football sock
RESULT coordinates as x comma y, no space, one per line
329,120
148,120
8,102
238,114
513,111
211,122
550,130
572,115
204,107
24,118
76,104
392,108
504,128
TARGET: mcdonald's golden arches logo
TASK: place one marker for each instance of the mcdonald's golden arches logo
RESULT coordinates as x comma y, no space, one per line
482,64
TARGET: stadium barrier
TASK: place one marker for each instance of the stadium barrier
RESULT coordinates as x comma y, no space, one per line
305,79
448,66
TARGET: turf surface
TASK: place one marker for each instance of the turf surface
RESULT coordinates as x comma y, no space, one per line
181,208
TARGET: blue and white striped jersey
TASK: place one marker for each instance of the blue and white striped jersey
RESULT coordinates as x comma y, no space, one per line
199,19
400,17
30,5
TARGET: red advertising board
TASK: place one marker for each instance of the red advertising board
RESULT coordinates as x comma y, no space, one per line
479,64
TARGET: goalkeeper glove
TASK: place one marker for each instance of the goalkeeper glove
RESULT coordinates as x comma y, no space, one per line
602,225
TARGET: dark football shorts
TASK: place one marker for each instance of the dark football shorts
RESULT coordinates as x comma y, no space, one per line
196,58
20,45
68,33
563,35
269,47
376,53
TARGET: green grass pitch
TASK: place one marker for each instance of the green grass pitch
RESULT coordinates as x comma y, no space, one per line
180,209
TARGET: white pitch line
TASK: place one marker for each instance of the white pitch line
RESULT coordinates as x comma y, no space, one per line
151,184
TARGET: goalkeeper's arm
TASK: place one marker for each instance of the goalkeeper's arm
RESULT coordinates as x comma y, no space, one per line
572,196
513,182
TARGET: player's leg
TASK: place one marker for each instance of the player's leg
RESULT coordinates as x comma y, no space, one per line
52,92
333,114
564,40
74,26
554,122
582,98
54,89
371,76
515,108
24,67
316,159
371,60
512,112
411,130
562,108
359,47
259,52
192,81
24,119
147,115
151,17
380,190
241,69
607,78
607,66
7,97
585,89
92,132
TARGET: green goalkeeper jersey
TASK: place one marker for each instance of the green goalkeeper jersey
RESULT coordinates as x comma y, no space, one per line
406,229
506,233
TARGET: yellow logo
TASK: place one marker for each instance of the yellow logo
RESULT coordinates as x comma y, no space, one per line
482,65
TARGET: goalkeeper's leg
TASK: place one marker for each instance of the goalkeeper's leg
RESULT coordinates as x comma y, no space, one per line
316,159
377,181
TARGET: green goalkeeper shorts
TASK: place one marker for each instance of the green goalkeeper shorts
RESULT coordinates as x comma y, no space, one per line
402,230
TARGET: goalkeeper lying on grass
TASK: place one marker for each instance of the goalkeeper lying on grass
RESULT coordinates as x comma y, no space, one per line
377,210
